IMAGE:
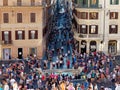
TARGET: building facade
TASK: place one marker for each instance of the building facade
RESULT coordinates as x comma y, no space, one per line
96,26
23,28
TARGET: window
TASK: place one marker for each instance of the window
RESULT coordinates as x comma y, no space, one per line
33,51
113,15
19,35
113,29
5,18
84,15
93,2
114,2
5,2
83,29
6,36
93,29
32,17
93,15
19,2
33,34
32,2
83,3
19,17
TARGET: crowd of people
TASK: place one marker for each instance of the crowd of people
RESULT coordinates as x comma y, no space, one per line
94,72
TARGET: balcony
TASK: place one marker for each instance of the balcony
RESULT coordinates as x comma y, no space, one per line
90,35
27,4
97,6
83,36
87,36
7,42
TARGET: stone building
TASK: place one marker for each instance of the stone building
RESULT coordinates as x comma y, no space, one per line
96,26
23,27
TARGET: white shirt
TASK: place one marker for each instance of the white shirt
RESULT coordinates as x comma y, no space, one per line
6,87
15,86
113,76
12,81
95,87
117,87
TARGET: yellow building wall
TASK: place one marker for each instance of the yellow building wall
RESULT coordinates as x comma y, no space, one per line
26,25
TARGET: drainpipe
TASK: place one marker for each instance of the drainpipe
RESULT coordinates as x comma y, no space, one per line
104,24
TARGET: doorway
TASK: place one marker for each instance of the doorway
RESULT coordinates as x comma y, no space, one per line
93,46
83,46
20,53
112,47
7,53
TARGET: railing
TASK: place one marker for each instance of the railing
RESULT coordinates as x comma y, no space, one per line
27,4
83,36
94,36
22,4
88,35
6,42
88,6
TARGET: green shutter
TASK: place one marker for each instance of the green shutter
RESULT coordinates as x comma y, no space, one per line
97,2
117,1
110,1
87,3
80,3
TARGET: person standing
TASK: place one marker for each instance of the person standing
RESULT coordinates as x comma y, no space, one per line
68,63
6,86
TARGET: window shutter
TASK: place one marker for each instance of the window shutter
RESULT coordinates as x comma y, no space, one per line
5,2
16,35
23,34
19,2
32,17
10,35
29,34
97,15
5,18
36,34
111,14
110,1
116,28
80,2
19,17
110,29
96,32
32,2
117,1
90,16
80,31
3,36
86,29
90,29
116,15
86,15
